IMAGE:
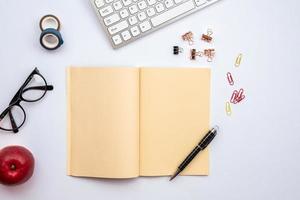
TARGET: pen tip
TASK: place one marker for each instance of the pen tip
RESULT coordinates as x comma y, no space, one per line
172,177
175,174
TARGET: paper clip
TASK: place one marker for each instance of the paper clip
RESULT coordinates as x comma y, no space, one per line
228,109
233,98
240,95
237,96
207,37
230,79
188,37
177,50
209,53
238,60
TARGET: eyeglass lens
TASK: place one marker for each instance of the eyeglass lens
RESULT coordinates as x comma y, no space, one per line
13,112
35,89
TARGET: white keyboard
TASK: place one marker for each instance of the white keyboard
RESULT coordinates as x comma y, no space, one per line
127,20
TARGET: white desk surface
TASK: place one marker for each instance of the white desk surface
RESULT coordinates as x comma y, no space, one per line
255,156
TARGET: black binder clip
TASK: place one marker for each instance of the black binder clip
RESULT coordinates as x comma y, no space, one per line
177,50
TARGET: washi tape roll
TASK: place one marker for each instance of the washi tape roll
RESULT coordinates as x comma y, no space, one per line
49,21
51,39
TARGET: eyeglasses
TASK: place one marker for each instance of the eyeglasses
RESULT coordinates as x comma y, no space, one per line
34,89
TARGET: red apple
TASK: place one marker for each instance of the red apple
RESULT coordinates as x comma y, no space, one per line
16,165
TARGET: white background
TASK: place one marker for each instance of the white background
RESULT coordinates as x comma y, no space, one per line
255,156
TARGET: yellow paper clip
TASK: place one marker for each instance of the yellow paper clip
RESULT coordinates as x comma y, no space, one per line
228,109
238,60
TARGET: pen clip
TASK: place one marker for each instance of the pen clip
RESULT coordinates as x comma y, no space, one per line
208,138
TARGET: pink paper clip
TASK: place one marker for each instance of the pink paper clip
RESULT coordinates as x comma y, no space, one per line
234,96
230,79
240,99
237,96
240,95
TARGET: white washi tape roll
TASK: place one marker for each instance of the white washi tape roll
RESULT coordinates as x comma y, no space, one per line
49,21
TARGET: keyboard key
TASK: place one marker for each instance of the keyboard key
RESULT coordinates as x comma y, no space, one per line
124,13
133,9
99,3
105,11
111,19
135,31
109,1
126,35
169,3
118,27
150,12
117,39
117,5
132,20
172,13
151,2
142,5
127,2
159,7
178,1
145,26
200,2
142,16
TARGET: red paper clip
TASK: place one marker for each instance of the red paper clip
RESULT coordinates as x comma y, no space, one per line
237,96
230,79
234,97
240,95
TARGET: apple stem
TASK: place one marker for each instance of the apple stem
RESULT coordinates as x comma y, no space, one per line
13,167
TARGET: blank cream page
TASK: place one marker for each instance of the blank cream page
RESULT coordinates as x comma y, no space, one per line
174,116
103,116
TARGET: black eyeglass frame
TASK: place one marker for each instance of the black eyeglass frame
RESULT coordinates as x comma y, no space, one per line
18,98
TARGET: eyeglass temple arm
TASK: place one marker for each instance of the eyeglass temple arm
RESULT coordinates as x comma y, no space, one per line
2,115
13,122
48,87
12,119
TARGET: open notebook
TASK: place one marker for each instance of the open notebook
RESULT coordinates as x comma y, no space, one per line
130,122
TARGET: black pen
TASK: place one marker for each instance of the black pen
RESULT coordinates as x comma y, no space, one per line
201,146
